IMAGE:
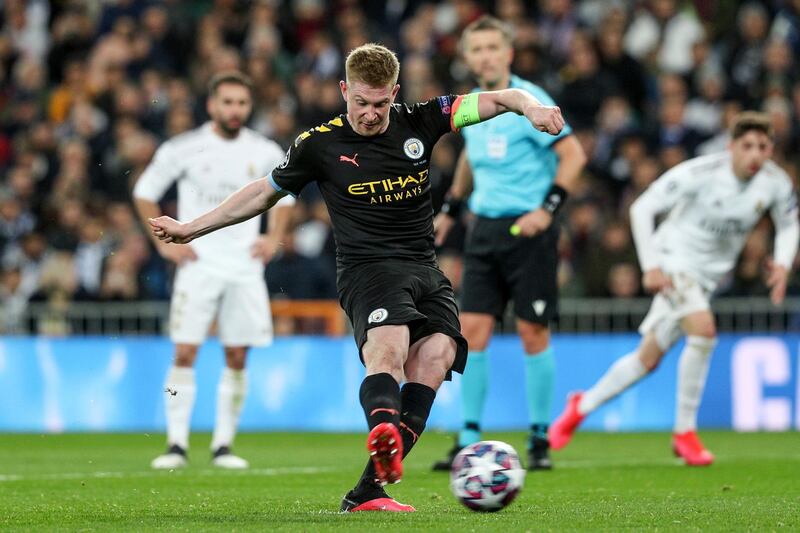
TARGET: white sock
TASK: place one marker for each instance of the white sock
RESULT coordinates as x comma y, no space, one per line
231,392
179,403
626,371
692,371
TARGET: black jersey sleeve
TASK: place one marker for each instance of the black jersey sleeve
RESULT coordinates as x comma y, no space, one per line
298,167
433,117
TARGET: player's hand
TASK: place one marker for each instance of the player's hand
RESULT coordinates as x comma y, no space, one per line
168,230
533,223
265,248
442,224
655,281
777,279
546,118
177,253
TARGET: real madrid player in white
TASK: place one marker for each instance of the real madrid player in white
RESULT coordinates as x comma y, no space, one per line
221,275
711,204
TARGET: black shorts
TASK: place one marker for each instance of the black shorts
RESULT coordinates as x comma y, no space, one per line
401,293
499,267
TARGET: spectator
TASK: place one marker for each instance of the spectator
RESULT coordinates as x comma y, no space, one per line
627,73
663,36
86,91
586,86
746,51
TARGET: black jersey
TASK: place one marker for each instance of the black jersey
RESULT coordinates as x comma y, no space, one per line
377,188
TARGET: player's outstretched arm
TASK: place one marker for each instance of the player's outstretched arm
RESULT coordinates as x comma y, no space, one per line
249,201
478,107
280,217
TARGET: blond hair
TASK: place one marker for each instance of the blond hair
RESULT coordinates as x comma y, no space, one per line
373,64
751,121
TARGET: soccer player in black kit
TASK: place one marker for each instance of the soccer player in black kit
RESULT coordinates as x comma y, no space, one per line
371,165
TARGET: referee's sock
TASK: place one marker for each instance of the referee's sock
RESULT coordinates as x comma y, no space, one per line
474,383
540,372
416,402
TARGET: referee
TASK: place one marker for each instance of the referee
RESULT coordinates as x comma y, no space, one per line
519,179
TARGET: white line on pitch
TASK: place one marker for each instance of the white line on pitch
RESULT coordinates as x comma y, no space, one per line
309,470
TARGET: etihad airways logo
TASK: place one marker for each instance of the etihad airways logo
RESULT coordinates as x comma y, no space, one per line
390,190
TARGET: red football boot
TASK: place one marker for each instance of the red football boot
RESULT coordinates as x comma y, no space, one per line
561,431
381,504
688,447
368,495
386,449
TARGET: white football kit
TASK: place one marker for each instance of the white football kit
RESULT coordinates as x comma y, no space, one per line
709,214
225,281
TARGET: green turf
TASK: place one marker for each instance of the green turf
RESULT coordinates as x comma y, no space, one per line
601,482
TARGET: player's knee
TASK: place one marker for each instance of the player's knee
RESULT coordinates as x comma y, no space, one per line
702,343
384,358
442,360
706,331
650,355
651,364
235,358
185,355
436,360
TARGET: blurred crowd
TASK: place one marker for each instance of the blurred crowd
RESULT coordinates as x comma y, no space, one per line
89,88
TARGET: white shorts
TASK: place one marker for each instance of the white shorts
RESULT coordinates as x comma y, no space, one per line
241,308
668,309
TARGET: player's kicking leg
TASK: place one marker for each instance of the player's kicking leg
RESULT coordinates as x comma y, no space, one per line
623,374
692,372
383,354
180,392
428,362
231,394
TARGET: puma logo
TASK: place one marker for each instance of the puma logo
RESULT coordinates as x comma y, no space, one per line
349,159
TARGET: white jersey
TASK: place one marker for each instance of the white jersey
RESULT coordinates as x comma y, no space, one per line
208,168
710,214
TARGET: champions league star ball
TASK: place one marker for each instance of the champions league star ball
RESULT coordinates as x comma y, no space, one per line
487,475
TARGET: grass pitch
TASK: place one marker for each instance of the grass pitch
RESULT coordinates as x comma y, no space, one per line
103,482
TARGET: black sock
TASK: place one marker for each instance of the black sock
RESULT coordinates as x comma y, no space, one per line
380,399
416,401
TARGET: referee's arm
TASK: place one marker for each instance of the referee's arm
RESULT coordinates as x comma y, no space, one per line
571,160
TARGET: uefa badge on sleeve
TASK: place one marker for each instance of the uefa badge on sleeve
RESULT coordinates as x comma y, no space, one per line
378,316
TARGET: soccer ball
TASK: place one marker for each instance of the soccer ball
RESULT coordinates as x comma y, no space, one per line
487,475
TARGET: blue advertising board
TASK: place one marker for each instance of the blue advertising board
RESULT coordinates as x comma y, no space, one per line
311,383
